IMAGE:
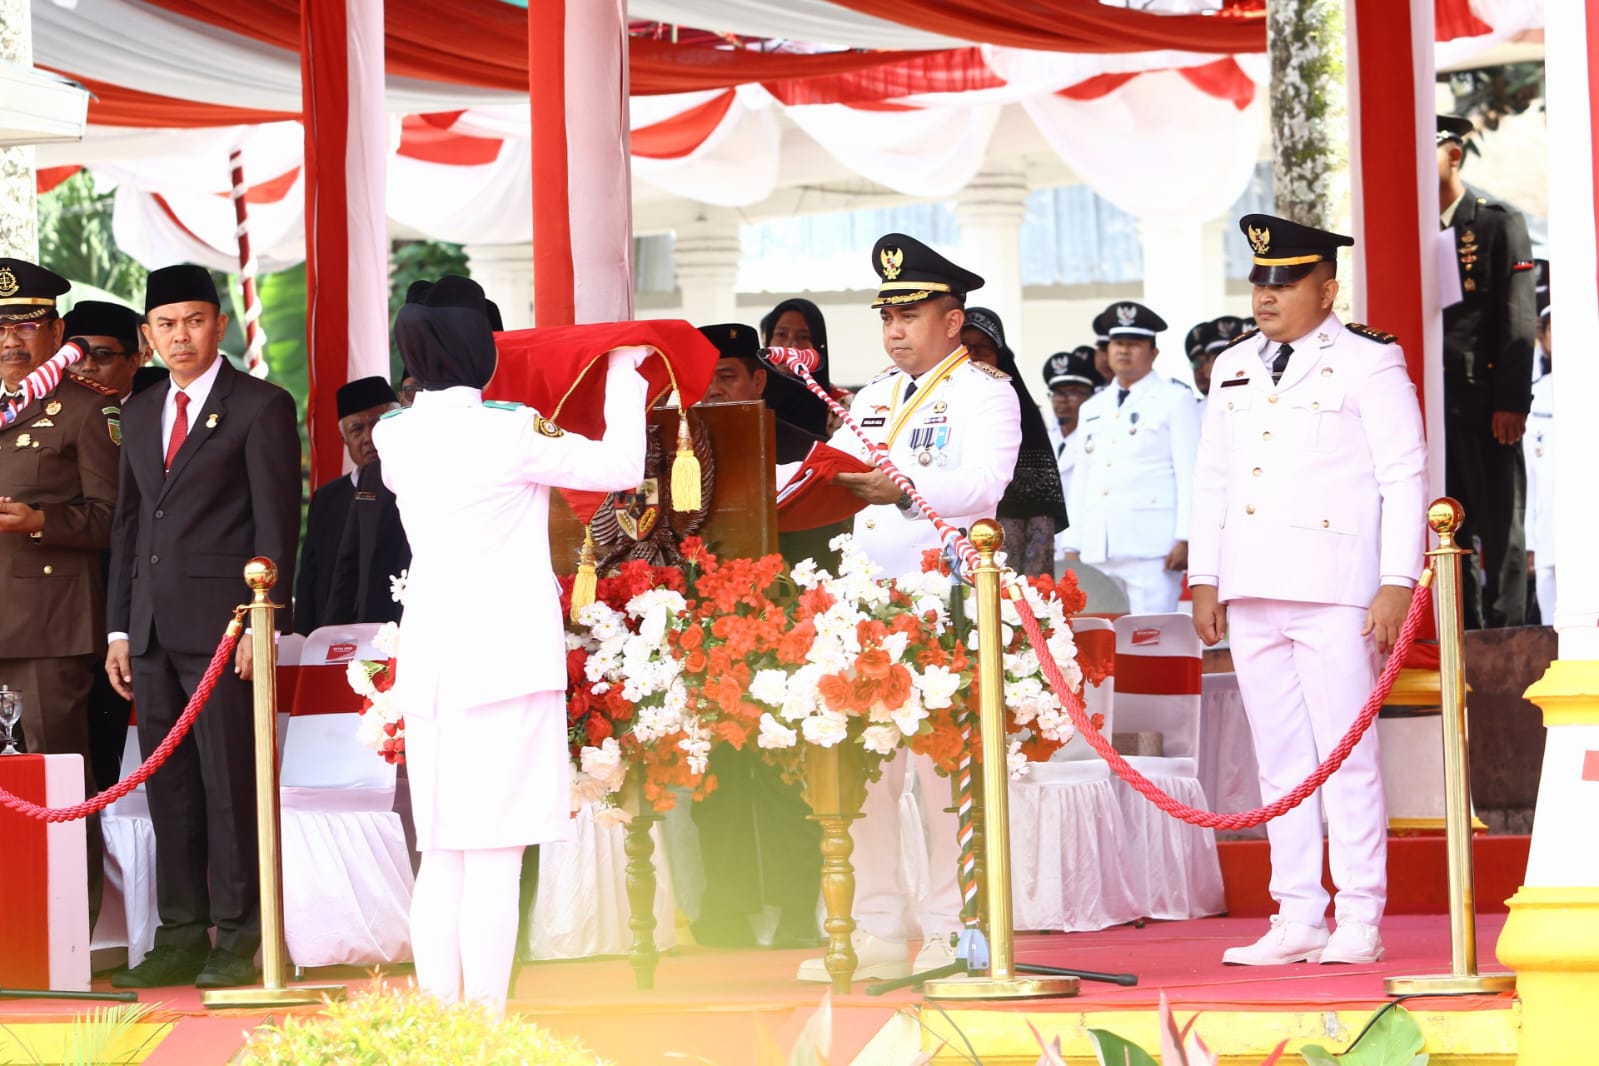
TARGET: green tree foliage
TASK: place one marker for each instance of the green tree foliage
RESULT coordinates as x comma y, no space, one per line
75,239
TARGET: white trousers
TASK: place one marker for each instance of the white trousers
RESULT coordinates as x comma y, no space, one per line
1544,577
882,897
1151,588
1304,672
463,923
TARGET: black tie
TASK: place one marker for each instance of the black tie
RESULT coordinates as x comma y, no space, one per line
910,390
1121,396
1279,364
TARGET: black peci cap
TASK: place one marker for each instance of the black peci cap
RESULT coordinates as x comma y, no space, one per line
179,284
1286,251
911,272
99,318
733,340
362,393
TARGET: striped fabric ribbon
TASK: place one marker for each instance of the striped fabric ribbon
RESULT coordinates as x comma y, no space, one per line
42,382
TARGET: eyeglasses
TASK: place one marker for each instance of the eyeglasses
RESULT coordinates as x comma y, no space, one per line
105,355
25,330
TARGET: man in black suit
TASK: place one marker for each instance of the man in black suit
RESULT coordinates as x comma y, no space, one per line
1488,345
372,546
210,477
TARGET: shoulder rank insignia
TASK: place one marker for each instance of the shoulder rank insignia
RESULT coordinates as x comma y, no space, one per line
546,428
1360,329
889,372
91,385
397,412
992,371
1244,336
503,405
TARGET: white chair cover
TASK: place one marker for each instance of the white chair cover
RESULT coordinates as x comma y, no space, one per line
581,908
1227,769
1175,866
346,871
129,869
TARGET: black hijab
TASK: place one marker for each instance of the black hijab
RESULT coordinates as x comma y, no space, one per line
1035,483
787,397
444,337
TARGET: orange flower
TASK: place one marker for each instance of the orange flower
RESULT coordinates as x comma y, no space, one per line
873,664
837,692
692,638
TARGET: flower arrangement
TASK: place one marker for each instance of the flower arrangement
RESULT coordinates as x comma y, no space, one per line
382,726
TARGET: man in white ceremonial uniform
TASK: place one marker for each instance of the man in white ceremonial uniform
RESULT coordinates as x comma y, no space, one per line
1307,539
953,426
483,680
1539,445
1133,469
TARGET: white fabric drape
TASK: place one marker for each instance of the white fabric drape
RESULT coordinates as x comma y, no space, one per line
927,152
818,22
738,164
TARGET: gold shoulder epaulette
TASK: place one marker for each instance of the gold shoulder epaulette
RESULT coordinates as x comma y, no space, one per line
1371,333
991,371
1244,336
92,385
888,372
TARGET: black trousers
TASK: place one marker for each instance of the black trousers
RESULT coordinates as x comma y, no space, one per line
1490,481
202,803
108,728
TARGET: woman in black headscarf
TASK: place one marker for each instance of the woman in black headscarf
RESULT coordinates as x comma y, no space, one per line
797,323
1033,508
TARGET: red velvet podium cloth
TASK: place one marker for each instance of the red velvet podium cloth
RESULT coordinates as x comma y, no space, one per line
44,888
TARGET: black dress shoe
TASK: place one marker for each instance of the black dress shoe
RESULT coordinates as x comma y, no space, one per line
164,967
224,969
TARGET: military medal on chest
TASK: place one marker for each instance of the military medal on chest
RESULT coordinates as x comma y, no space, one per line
1468,259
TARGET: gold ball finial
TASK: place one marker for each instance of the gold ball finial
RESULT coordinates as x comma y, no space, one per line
1445,516
260,573
987,536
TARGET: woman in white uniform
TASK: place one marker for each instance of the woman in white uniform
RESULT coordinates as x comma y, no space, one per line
482,669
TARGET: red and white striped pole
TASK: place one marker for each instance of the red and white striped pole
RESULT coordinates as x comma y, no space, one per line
254,336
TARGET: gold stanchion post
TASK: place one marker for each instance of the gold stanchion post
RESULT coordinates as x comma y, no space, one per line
1445,516
261,574
1001,981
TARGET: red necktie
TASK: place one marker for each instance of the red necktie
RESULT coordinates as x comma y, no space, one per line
180,429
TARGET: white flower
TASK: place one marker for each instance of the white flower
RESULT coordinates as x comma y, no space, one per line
895,644
358,673
607,816
383,706
806,573
775,734
770,687
585,790
369,731
909,716
800,700
387,639
882,739
938,686
604,764
826,729
1015,761
397,585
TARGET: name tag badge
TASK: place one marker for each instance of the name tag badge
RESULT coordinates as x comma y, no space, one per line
366,495
872,423
1234,381
935,420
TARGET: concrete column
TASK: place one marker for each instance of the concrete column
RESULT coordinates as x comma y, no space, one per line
19,215
706,254
506,273
1179,258
990,211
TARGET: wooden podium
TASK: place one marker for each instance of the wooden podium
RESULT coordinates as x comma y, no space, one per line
737,445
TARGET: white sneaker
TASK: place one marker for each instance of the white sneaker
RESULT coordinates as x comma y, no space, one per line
1285,943
936,952
875,960
1352,942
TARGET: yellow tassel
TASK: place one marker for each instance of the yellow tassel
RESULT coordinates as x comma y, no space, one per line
583,585
685,470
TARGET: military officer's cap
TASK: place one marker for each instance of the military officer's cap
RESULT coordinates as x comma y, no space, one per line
1286,251
1101,324
1454,128
733,340
1130,319
362,393
28,291
1540,289
1075,367
100,318
1199,339
183,283
1225,330
911,272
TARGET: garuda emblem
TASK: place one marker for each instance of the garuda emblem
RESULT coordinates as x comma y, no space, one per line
893,260
641,523
1260,239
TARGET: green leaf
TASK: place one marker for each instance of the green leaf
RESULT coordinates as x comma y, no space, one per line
1112,1050
1393,1039
1316,1055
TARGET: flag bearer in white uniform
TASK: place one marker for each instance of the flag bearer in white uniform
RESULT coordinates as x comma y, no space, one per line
1307,539
1133,469
953,426
483,677
1539,444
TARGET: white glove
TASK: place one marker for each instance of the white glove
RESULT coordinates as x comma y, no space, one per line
632,357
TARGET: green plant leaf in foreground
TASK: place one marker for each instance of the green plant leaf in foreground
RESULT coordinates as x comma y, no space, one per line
1391,1039
1112,1050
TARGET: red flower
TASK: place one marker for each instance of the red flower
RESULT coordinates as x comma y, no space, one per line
598,730
694,662
837,692
934,559
692,638
873,664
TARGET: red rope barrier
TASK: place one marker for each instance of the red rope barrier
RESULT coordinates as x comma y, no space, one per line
1074,703
180,729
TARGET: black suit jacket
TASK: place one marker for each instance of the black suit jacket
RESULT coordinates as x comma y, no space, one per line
313,583
179,541
1488,335
373,549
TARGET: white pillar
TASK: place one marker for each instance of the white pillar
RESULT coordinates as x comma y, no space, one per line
506,273
990,211
19,215
1175,262
706,254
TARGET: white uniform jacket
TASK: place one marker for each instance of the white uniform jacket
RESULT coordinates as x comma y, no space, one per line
1313,489
472,481
1132,471
1539,448
956,439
